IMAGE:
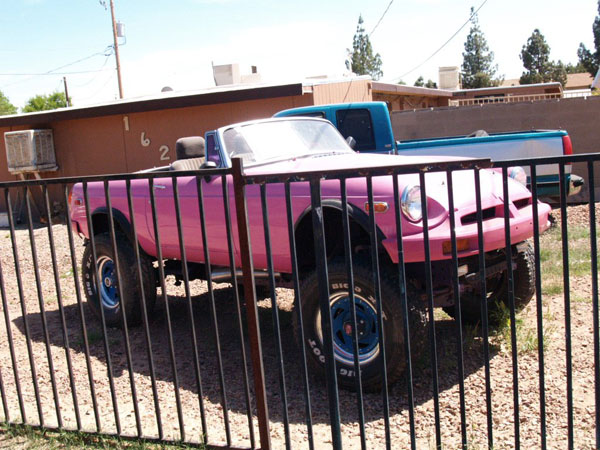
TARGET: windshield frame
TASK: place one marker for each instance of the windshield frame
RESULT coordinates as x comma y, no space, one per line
227,160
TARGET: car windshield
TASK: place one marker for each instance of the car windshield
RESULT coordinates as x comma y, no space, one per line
267,141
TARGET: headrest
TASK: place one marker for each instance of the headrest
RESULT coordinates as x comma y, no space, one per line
189,147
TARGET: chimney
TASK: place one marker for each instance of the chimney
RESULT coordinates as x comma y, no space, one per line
449,78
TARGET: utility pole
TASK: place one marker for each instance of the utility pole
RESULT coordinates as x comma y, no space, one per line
66,92
115,37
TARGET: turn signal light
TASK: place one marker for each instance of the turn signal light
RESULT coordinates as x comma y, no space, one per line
378,207
461,246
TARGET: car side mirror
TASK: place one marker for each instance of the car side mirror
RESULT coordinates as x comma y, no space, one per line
351,142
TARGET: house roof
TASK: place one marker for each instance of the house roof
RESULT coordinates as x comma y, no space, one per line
574,81
400,89
579,81
166,100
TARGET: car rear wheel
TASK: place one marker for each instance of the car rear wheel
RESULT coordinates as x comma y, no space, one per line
102,291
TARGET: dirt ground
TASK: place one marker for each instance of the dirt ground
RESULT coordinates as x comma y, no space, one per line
51,362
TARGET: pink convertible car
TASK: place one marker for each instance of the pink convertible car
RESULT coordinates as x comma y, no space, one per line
301,145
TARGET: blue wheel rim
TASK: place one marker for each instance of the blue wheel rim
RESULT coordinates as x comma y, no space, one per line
109,294
343,335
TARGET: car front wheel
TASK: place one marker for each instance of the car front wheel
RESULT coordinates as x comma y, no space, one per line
497,290
369,348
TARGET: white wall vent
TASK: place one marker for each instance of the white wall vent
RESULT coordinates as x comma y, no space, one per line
30,151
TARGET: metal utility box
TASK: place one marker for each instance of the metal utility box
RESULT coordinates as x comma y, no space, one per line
30,151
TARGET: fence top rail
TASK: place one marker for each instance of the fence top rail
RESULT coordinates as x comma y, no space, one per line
399,169
542,160
116,177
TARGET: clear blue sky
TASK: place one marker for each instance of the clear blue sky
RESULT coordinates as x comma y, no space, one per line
174,42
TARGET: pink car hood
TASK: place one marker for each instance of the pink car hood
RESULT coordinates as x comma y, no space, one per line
436,182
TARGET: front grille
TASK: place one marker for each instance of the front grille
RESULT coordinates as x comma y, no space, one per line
488,213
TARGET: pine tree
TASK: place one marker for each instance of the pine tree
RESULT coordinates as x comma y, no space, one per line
478,68
420,82
535,55
361,59
588,59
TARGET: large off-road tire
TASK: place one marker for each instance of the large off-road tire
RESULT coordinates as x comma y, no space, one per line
105,295
497,296
366,316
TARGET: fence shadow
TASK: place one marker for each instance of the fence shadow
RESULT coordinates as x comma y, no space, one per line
232,361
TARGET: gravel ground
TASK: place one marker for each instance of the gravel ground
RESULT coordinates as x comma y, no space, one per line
29,321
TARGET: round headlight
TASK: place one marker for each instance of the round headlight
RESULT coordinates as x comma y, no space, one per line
411,203
517,173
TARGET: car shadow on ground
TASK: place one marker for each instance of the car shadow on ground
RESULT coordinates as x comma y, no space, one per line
231,356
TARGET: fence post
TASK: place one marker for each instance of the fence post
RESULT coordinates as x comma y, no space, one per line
258,371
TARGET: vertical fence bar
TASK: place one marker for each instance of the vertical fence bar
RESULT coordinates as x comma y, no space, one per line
188,297
511,302
251,308
42,308
61,309
567,302
11,348
143,296
40,295
109,367
297,296
275,314
457,312
236,294
404,300
213,310
4,402
123,300
321,261
594,270
377,285
163,288
86,345
429,290
11,224
350,273
484,308
539,305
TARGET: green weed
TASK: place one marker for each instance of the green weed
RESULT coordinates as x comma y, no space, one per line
49,439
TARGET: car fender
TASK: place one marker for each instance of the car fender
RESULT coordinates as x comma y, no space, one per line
354,212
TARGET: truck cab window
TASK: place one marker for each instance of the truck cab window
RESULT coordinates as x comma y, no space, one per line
356,123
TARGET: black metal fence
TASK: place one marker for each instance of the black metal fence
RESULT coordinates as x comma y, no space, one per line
332,334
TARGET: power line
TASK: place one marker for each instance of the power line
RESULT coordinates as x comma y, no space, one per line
444,44
99,73
52,73
107,52
381,18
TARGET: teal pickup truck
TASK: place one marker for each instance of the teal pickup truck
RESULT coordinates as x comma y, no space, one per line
370,127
